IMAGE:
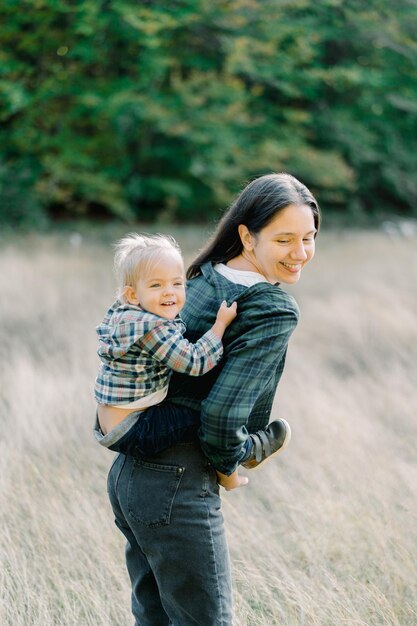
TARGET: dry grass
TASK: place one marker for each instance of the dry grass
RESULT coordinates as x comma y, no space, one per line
324,536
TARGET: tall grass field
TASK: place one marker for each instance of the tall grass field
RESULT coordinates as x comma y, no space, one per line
324,535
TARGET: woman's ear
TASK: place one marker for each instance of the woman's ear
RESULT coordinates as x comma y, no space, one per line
130,295
245,237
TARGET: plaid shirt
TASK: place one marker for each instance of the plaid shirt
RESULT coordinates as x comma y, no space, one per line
237,397
139,350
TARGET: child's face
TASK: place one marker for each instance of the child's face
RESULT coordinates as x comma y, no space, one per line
162,290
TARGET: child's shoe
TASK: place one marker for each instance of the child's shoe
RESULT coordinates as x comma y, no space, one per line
267,443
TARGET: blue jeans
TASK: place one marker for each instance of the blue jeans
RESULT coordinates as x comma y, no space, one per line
169,510
146,433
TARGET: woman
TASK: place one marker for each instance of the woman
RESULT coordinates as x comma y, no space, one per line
168,507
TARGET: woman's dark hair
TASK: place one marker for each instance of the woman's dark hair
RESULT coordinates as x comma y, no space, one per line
255,207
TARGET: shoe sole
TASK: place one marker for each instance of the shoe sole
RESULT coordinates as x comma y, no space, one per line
281,449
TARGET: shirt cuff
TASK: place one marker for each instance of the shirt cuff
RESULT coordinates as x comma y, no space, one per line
215,344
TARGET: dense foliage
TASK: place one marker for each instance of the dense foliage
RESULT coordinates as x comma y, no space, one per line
144,108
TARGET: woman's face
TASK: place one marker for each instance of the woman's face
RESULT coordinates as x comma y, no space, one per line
283,247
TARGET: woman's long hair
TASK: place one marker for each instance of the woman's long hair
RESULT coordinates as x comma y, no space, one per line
258,203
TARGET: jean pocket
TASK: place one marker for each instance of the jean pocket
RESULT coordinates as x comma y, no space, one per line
151,492
114,472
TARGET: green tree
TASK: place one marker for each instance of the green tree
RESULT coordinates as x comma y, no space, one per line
145,109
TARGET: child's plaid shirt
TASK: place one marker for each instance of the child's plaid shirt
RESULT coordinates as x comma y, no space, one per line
139,350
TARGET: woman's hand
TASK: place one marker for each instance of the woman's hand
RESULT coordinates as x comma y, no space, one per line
231,482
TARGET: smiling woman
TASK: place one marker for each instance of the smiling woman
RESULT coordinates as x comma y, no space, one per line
273,210
168,506
281,249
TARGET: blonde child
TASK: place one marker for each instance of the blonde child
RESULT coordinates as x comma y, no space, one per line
141,343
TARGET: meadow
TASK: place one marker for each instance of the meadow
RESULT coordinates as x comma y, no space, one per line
325,535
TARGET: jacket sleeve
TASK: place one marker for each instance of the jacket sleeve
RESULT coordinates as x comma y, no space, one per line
166,344
253,362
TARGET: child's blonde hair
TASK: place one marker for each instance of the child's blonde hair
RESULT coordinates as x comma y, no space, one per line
137,253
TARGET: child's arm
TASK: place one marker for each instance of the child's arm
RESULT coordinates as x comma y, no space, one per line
231,482
165,343
225,316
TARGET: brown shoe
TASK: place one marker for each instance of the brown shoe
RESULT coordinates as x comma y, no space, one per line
267,443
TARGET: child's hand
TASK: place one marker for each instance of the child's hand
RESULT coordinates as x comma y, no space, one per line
231,482
226,314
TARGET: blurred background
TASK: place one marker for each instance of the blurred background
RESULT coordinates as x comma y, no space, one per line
162,110
147,115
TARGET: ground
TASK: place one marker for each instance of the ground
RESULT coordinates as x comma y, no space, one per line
325,535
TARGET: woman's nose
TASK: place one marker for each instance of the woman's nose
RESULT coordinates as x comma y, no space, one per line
299,252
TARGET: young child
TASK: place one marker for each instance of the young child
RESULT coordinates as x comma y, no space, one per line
141,342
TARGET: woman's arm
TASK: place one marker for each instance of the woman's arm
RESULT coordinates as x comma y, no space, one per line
252,367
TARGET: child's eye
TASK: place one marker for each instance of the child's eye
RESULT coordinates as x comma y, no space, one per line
309,239
283,241
154,285
179,284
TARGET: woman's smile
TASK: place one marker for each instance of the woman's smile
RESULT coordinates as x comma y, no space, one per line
292,267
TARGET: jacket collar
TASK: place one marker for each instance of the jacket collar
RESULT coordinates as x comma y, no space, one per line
231,291
225,288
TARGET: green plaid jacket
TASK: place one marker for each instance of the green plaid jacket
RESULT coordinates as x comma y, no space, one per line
236,397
